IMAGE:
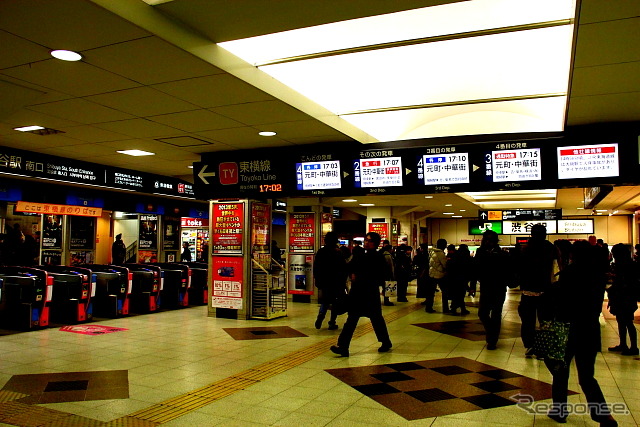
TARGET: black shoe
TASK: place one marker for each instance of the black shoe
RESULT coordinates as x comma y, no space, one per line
319,323
429,310
344,352
402,300
491,346
423,303
333,326
385,347
558,418
619,348
465,312
630,352
388,303
605,420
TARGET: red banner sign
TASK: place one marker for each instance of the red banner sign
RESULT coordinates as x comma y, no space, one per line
228,226
302,232
382,228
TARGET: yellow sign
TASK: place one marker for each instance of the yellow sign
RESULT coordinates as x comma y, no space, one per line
495,216
53,209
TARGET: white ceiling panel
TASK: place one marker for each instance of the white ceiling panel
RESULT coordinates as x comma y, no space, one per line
196,120
93,134
213,91
140,128
142,102
241,138
23,51
149,61
66,24
259,113
74,78
80,110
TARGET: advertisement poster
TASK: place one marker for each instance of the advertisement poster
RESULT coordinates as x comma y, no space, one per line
147,256
171,234
382,228
80,257
228,228
148,234
82,232
302,231
52,232
51,257
260,226
300,274
227,282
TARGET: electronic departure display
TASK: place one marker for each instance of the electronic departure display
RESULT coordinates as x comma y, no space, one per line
446,168
321,175
513,165
378,172
588,161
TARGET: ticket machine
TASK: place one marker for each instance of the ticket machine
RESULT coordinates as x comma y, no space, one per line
26,295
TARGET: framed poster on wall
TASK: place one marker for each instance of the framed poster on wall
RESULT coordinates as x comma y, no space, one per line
227,228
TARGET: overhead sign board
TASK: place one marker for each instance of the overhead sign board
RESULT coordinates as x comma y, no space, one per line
524,227
588,161
575,226
520,214
477,227
514,165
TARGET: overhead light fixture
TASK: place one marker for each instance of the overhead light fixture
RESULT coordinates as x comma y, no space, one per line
448,204
463,210
580,208
190,166
28,128
416,60
267,133
457,216
367,204
66,55
428,197
602,210
349,200
136,153
448,213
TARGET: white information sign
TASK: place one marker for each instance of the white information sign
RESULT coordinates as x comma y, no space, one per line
588,161
515,165
449,168
575,226
524,227
382,172
318,175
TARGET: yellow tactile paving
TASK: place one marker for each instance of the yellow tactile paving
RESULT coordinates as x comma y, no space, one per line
178,406
8,396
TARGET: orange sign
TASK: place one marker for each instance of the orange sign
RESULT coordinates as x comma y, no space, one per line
50,208
495,216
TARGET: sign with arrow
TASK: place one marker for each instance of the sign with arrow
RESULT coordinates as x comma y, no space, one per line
203,175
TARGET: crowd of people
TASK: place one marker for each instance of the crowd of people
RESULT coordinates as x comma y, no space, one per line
564,281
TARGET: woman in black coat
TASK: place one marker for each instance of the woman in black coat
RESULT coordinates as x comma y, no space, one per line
578,297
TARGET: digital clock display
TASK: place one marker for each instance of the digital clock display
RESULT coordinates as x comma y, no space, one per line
267,188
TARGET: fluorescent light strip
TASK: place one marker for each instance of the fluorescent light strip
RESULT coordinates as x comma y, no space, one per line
136,153
28,128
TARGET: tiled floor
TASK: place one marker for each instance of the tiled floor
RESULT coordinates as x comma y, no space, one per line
184,368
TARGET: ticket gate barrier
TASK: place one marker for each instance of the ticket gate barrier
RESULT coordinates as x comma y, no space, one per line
177,282
199,290
147,287
73,290
25,298
113,289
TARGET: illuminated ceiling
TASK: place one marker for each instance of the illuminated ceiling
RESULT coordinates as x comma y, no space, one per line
480,67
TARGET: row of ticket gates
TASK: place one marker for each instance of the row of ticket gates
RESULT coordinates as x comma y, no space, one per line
33,298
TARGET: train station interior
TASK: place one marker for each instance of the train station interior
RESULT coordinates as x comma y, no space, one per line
133,119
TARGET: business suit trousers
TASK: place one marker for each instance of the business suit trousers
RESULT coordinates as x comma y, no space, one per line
377,321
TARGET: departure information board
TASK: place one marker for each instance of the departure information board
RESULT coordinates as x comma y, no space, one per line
322,175
378,172
514,165
588,161
447,168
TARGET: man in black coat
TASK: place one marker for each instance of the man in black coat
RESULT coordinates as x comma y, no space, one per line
367,276
330,274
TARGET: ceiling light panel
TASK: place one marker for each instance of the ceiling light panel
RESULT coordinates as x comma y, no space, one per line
529,62
413,24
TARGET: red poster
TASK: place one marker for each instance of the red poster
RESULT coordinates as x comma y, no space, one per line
302,232
260,226
382,228
228,226
227,282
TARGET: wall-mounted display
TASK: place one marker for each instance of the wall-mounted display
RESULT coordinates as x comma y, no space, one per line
227,228
378,172
588,161
321,175
445,168
514,165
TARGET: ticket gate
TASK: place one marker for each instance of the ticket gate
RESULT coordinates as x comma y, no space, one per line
25,298
113,289
73,291
146,287
177,282
199,290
